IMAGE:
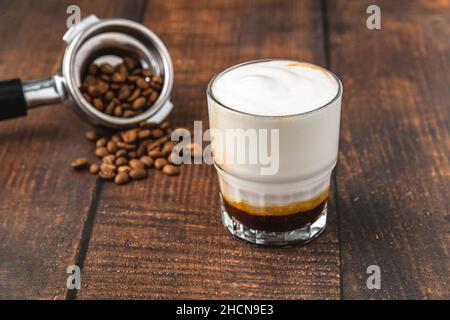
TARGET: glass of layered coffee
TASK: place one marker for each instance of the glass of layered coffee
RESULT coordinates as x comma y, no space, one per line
274,128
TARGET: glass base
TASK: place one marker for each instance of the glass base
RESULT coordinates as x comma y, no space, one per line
288,238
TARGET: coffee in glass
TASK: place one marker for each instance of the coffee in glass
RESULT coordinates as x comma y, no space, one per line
275,133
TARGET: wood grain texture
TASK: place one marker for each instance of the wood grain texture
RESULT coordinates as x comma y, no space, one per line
162,238
393,178
43,203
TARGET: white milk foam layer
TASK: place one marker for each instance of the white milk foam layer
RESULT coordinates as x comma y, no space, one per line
275,88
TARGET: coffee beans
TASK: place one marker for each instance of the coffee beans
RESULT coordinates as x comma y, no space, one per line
122,178
147,161
80,163
91,135
101,152
170,170
134,163
122,91
128,154
138,174
94,168
160,163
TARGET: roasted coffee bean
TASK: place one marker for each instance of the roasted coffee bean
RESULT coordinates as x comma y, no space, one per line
160,163
109,95
155,153
129,113
124,169
196,150
135,95
126,146
94,168
107,167
147,72
174,159
144,134
83,88
165,151
93,69
170,170
153,97
170,144
80,163
138,174
132,78
106,78
122,69
142,84
139,103
101,142
109,159
116,138
118,77
90,80
156,85
147,161
103,87
131,63
115,86
132,154
111,147
135,163
107,68
124,93
157,133
164,125
121,178
157,143
157,79
129,136
121,153
101,152
110,109
91,135
148,125
98,104
87,97
147,92
121,161
141,150
107,175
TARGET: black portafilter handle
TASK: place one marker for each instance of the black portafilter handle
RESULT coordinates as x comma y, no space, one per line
12,99
16,97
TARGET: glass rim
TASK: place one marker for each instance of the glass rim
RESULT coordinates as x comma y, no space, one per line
209,91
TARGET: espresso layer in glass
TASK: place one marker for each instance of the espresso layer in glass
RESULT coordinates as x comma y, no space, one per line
279,217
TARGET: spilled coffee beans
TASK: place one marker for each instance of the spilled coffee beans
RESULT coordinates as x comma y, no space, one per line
127,155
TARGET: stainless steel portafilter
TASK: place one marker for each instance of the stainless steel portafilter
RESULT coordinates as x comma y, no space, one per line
100,41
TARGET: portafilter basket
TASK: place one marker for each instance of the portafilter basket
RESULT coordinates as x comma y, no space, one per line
100,41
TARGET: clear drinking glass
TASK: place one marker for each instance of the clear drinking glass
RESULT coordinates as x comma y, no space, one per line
290,205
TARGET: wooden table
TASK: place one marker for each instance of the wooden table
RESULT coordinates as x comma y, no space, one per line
162,238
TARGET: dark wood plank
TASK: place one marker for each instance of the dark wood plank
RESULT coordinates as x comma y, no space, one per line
162,238
43,204
393,177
